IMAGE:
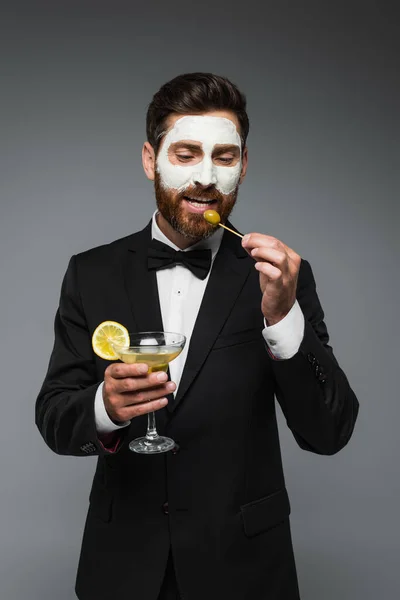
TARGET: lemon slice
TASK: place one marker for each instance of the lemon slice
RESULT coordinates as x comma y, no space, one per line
107,333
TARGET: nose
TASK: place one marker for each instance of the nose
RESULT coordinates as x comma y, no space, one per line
206,175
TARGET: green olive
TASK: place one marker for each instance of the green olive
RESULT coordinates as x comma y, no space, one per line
211,216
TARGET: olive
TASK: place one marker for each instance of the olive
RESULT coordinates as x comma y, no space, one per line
211,216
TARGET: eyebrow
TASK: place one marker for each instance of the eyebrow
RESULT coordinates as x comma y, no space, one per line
186,145
226,148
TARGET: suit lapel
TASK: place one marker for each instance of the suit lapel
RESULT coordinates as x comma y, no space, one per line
228,275
141,284
142,290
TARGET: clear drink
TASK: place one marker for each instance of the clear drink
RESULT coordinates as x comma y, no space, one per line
156,349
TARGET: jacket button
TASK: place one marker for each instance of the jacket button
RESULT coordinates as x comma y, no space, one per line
175,449
165,508
311,358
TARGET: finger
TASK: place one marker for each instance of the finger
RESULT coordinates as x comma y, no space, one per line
121,370
253,240
294,258
273,273
271,255
148,394
119,400
130,412
135,384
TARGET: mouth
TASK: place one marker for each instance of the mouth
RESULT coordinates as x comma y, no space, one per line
199,204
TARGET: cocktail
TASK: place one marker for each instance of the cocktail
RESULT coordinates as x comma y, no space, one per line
156,349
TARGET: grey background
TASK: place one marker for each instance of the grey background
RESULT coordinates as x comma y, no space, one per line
323,96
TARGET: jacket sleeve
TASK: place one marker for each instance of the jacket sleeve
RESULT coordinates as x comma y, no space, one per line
64,411
315,396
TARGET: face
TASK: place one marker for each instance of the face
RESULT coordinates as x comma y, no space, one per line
199,166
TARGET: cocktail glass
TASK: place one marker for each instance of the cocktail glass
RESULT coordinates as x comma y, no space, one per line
156,349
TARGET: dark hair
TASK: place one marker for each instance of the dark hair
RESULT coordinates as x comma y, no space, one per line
194,93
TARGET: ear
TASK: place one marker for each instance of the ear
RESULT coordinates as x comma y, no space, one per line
244,165
149,160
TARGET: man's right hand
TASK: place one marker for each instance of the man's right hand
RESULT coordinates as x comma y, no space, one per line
129,391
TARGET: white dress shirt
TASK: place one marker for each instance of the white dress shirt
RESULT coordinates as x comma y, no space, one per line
181,293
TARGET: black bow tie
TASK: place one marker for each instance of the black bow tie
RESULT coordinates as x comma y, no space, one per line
162,256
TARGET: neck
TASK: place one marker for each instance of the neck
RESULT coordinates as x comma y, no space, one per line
176,238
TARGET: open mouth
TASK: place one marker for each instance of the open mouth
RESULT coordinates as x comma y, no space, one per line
199,202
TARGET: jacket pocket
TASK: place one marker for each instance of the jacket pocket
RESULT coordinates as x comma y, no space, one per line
101,503
265,513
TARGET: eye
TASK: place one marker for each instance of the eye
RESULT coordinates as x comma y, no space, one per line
185,157
225,160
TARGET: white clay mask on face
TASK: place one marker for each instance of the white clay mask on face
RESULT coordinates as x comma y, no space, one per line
208,131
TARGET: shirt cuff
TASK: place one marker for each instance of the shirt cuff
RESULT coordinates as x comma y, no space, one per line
103,421
284,338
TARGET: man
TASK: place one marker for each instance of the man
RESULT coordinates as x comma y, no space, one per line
209,519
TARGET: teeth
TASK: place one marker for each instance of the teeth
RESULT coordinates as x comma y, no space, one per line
198,201
197,204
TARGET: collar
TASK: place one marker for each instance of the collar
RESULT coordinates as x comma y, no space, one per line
213,242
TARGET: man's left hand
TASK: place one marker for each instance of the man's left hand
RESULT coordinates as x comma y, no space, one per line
279,269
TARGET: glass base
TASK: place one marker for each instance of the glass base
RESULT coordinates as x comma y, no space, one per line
143,445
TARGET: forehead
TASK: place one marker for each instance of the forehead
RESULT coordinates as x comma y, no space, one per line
219,127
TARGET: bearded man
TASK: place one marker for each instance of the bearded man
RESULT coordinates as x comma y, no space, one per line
210,518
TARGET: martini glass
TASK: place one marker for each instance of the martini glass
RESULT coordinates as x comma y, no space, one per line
156,349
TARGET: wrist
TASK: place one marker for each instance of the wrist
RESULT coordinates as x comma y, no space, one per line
112,417
115,421
273,320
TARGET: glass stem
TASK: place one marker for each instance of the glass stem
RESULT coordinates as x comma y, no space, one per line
151,426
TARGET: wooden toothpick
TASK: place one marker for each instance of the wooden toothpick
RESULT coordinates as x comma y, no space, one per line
231,230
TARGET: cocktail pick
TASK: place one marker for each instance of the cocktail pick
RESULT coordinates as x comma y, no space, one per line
211,216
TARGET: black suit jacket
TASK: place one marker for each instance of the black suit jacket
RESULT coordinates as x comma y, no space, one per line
220,501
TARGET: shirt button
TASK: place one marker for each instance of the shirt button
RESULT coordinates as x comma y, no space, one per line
165,508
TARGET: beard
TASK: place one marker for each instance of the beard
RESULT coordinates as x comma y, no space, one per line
191,225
